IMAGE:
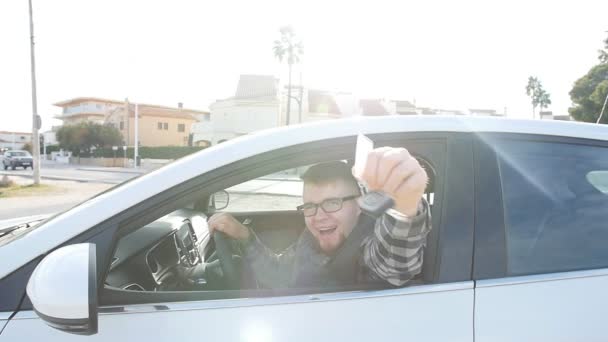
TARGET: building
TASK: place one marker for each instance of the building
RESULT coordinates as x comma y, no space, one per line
254,106
14,140
484,112
157,125
403,107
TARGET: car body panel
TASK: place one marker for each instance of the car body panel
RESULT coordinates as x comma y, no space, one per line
569,306
415,312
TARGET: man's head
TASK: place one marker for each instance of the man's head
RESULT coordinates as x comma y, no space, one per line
330,182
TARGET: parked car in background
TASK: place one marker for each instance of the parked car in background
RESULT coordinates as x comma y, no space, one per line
517,251
14,159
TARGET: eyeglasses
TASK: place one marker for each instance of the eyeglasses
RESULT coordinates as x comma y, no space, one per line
330,205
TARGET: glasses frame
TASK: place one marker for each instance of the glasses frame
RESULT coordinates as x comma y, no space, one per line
317,205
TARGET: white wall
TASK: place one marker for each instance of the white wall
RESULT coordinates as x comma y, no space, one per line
232,118
243,117
14,141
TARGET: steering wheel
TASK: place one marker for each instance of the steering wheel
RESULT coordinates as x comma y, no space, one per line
227,262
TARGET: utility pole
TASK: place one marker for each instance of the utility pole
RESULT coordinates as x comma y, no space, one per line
127,110
35,118
300,101
136,142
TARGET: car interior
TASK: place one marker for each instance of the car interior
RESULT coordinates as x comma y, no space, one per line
160,257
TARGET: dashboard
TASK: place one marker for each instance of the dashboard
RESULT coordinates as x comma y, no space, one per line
152,257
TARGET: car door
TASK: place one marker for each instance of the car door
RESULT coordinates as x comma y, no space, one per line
439,309
541,262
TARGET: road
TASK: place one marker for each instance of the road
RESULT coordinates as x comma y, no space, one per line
74,184
78,173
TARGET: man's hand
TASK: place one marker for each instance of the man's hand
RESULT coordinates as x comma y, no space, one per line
395,172
226,223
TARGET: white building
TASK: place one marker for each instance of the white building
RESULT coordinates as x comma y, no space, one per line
255,106
14,140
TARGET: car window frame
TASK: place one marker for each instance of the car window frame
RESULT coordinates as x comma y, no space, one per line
189,191
455,266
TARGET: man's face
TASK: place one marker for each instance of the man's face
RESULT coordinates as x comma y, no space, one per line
331,229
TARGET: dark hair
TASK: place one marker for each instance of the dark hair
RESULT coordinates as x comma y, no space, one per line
328,172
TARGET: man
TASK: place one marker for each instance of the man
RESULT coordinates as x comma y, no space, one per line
391,252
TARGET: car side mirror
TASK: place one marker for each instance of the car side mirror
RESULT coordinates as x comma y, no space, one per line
63,289
219,200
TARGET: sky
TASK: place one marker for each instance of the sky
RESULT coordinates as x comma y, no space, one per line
442,54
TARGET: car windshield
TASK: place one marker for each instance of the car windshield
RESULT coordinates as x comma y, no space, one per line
19,154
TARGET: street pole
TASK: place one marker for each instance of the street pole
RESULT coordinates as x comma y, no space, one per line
602,112
300,101
35,117
136,142
128,125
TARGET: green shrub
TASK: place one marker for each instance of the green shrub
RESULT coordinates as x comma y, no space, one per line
146,152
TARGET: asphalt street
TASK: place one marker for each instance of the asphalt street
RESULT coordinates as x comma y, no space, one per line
76,184
79,173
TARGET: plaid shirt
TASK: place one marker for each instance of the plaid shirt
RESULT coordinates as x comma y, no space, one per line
393,253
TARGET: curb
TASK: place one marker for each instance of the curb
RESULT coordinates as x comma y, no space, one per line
115,171
81,180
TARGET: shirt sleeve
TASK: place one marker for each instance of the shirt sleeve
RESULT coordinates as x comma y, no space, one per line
271,270
395,252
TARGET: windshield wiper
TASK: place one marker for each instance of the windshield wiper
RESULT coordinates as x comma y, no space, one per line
6,231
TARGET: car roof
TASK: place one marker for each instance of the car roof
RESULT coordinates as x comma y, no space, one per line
94,211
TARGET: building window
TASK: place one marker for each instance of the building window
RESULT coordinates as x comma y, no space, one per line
181,127
160,125
122,125
165,126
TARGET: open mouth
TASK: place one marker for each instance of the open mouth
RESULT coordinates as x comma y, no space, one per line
327,230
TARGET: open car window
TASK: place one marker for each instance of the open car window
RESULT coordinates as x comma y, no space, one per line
155,258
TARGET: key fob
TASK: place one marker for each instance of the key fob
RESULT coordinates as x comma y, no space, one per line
375,203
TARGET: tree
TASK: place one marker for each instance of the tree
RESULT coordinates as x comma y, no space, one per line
544,99
287,46
603,54
538,96
589,94
531,90
81,137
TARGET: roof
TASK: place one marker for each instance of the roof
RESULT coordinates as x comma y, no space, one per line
66,103
98,99
403,103
75,221
251,86
162,112
322,102
372,107
485,111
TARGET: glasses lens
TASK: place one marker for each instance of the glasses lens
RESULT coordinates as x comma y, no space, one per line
332,204
309,209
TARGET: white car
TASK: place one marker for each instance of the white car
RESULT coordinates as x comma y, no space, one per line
518,249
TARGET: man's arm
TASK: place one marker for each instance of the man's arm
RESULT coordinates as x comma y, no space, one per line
395,252
271,270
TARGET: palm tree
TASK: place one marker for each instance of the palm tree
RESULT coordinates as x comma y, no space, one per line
544,98
532,91
287,46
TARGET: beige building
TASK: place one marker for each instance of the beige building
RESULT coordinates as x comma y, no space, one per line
157,125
